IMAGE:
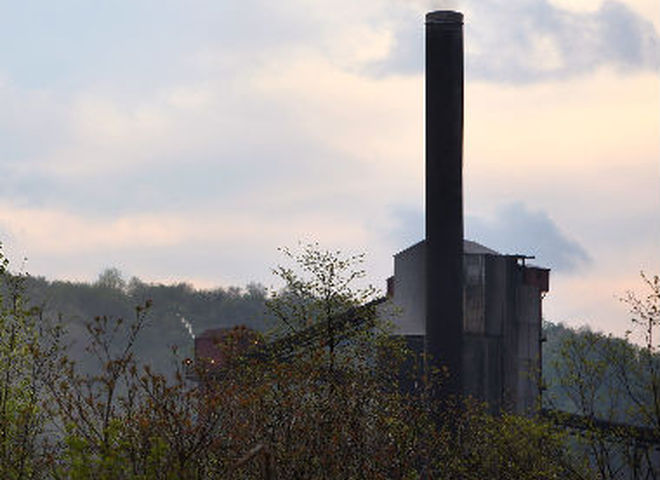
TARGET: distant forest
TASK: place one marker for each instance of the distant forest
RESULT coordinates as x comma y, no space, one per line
74,304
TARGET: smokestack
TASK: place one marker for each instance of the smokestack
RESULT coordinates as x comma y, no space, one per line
444,193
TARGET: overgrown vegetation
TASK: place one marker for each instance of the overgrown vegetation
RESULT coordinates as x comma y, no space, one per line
613,386
322,400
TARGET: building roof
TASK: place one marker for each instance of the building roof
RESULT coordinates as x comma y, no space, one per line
469,247
476,248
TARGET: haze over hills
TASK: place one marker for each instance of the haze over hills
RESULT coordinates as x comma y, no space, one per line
173,307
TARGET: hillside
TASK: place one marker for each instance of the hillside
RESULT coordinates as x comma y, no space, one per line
74,304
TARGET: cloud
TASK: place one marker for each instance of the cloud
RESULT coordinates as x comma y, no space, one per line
257,135
406,227
517,229
518,41
224,246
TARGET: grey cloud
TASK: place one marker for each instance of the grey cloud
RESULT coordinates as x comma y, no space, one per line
514,229
518,41
408,227
517,229
173,184
406,56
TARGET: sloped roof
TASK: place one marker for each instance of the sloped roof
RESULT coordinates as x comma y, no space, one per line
476,248
469,247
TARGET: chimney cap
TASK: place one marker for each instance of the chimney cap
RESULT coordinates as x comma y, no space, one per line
445,17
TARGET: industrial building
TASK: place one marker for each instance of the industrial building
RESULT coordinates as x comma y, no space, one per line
500,340
476,312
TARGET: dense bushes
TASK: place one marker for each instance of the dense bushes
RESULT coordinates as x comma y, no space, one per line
329,407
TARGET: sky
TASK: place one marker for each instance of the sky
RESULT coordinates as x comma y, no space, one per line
187,141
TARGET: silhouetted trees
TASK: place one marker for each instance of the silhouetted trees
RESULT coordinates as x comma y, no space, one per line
613,388
329,408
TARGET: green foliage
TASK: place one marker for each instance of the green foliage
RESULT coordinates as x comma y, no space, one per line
21,414
477,445
321,400
609,381
319,286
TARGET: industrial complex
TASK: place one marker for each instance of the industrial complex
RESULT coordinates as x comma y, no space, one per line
472,311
